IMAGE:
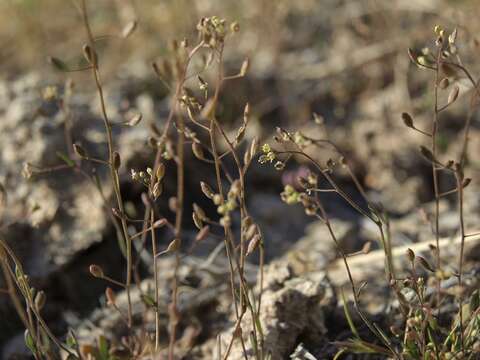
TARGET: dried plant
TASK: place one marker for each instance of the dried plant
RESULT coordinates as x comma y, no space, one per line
190,108
421,311
193,122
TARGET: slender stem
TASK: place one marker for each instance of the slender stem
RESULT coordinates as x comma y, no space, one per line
155,279
178,230
113,171
434,171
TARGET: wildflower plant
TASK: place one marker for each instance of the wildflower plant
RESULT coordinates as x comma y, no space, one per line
420,333
193,110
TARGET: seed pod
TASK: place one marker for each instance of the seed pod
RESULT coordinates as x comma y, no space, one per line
245,67
453,95
251,231
246,113
199,211
117,162
234,27
447,70
160,223
129,29
366,247
407,120
217,199
474,301
117,213
89,54
135,120
29,342
252,151
173,246
198,151
197,221
466,182
96,271
207,190
203,233
160,173
40,300
153,142
443,84
110,295
156,69
410,255
425,264
157,189
240,134
253,244
412,55
58,64
79,150
208,109
427,154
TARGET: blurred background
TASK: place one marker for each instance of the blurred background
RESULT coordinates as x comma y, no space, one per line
346,61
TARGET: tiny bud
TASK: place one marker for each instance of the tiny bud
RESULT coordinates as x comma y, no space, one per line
234,27
226,221
96,271
110,295
279,165
217,199
117,162
407,120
